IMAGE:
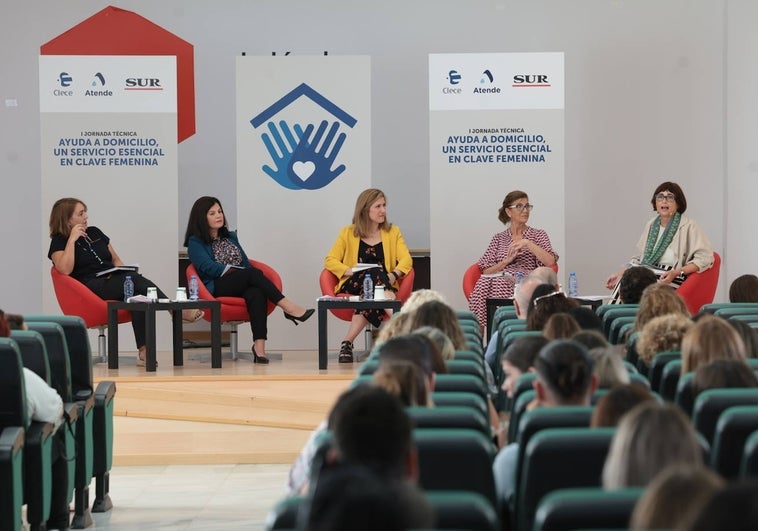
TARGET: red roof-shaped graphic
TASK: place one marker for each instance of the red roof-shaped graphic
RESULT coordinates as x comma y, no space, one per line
115,31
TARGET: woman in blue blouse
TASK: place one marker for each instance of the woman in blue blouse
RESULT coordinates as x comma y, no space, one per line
224,268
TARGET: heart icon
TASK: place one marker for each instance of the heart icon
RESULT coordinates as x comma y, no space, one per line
304,169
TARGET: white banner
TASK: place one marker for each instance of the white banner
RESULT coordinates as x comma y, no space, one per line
496,124
108,137
303,156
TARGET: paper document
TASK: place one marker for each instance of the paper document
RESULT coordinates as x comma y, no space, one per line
363,267
131,267
498,274
229,267
139,298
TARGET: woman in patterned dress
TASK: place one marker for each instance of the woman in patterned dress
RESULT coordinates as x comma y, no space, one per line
519,248
371,239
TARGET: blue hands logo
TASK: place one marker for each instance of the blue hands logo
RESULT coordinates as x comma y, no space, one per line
303,159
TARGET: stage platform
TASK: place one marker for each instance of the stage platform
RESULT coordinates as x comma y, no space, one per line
243,413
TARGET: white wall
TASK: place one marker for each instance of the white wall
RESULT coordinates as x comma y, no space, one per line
647,94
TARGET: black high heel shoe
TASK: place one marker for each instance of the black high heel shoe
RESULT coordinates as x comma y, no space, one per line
263,360
306,315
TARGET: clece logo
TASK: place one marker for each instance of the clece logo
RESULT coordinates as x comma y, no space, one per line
453,77
65,81
531,80
142,83
303,159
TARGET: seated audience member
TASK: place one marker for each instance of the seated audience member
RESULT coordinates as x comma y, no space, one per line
733,507
586,318
519,358
633,282
440,339
372,452
617,402
609,367
749,336
546,301
16,321
564,378
420,296
710,339
661,334
396,325
723,374
744,289
674,497
648,438
658,299
409,348
405,380
43,404
560,326
590,339
439,315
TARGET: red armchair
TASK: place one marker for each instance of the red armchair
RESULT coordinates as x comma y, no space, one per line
233,309
75,298
700,288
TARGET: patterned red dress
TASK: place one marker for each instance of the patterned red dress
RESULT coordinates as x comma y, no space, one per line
502,287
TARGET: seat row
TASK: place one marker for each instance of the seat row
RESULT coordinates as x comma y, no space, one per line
57,349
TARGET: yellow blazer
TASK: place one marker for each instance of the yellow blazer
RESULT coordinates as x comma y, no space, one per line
344,253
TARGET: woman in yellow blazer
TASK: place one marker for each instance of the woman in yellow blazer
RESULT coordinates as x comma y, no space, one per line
371,239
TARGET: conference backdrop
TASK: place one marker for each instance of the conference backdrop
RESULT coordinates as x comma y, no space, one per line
109,138
496,124
303,156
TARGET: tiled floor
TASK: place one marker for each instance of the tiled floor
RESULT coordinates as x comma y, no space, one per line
192,497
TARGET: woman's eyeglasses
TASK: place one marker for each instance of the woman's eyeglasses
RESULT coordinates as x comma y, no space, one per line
665,197
521,207
543,297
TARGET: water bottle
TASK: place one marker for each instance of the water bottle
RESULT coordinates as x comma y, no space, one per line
193,288
573,286
128,287
517,283
368,287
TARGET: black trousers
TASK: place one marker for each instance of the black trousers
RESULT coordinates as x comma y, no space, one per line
253,286
111,287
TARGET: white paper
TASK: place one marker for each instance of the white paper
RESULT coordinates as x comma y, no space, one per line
126,267
496,275
363,267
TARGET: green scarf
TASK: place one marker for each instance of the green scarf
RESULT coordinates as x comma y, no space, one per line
654,252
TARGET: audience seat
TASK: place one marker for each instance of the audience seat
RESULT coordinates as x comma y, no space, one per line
586,508
461,382
715,306
734,427
684,397
710,404
450,398
657,364
558,458
456,459
448,417
463,510
749,461
610,315
670,380
38,436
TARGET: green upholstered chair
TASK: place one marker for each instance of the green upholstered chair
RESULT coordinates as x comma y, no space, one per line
586,508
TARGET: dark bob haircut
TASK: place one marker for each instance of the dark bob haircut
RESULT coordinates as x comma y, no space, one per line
681,200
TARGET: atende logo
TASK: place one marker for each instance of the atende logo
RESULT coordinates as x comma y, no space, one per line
303,159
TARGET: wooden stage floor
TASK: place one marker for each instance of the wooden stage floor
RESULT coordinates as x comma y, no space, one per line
242,413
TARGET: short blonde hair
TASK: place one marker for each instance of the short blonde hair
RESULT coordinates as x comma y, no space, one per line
609,367
420,296
661,334
658,299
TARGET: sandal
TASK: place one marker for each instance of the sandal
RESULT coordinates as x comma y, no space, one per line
141,362
194,317
346,352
